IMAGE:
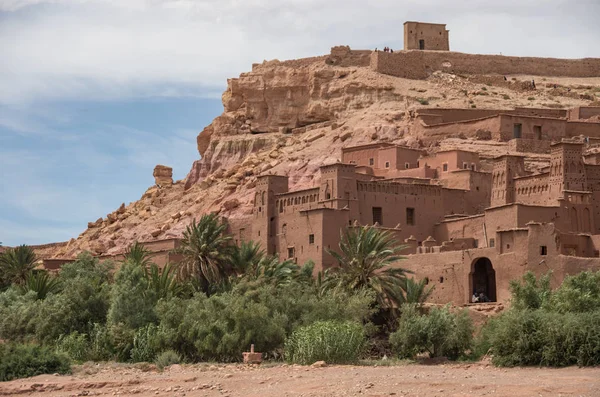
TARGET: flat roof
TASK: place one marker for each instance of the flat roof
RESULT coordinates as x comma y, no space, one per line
425,23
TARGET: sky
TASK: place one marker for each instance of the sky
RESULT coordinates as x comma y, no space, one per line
95,93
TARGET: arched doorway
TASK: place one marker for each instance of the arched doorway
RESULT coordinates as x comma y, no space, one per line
483,278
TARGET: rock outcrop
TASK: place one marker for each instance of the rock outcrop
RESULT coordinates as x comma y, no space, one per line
163,175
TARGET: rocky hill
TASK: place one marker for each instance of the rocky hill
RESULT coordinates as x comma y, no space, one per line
291,117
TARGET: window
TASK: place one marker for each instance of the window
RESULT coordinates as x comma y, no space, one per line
371,161
476,243
410,216
311,238
465,166
492,243
472,166
406,165
421,44
291,252
327,196
537,132
387,164
352,162
418,164
441,279
517,129
377,215
507,246
445,167
426,280
543,250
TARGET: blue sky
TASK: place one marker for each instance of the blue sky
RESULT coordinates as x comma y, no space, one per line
95,93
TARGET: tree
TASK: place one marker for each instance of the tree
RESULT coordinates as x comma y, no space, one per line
164,284
246,256
205,249
17,263
416,291
138,254
364,261
41,283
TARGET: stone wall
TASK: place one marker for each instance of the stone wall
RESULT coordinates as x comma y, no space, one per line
420,64
529,145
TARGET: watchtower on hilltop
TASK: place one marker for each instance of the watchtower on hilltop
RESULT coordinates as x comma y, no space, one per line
426,36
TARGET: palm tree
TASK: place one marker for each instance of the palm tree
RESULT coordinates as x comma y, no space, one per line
416,291
138,254
17,263
41,283
205,249
246,257
365,259
164,283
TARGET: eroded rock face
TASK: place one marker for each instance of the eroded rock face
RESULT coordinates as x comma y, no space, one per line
163,175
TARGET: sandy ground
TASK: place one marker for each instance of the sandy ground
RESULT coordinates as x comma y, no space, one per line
475,379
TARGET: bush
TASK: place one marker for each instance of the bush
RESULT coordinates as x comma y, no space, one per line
334,342
223,326
75,345
540,337
423,101
166,358
439,333
22,361
144,344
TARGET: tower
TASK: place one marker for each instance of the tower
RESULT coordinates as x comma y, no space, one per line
505,169
338,185
567,171
265,211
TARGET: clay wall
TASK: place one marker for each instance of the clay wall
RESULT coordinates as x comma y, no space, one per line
538,112
416,64
478,183
454,159
397,158
532,190
551,129
436,132
453,115
434,36
468,227
345,57
521,145
424,172
576,128
584,112
365,155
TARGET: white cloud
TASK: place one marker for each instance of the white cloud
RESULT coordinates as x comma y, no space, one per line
57,49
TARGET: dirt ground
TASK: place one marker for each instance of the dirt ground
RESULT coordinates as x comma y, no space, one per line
474,379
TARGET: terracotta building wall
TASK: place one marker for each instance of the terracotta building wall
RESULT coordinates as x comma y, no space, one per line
414,64
434,36
453,115
576,128
435,132
528,145
551,129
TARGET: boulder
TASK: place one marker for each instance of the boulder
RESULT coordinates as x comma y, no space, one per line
163,175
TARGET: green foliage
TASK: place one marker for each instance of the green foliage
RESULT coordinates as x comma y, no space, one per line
167,358
334,342
138,254
365,259
17,263
75,345
416,291
245,258
163,283
423,101
22,361
144,344
94,346
540,337
530,293
504,96
132,302
41,283
221,327
545,327
439,333
205,249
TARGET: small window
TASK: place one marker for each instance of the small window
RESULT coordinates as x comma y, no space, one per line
441,279
543,250
465,166
410,216
406,165
352,162
418,164
311,238
327,196
517,130
291,252
537,132
259,233
377,215
507,246
387,164
472,166
371,161
426,280
445,167
476,243
492,243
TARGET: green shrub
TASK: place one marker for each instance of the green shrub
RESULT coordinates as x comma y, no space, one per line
504,96
166,358
439,333
530,293
540,337
423,101
144,344
22,361
223,326
579,293
334,342
75,345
